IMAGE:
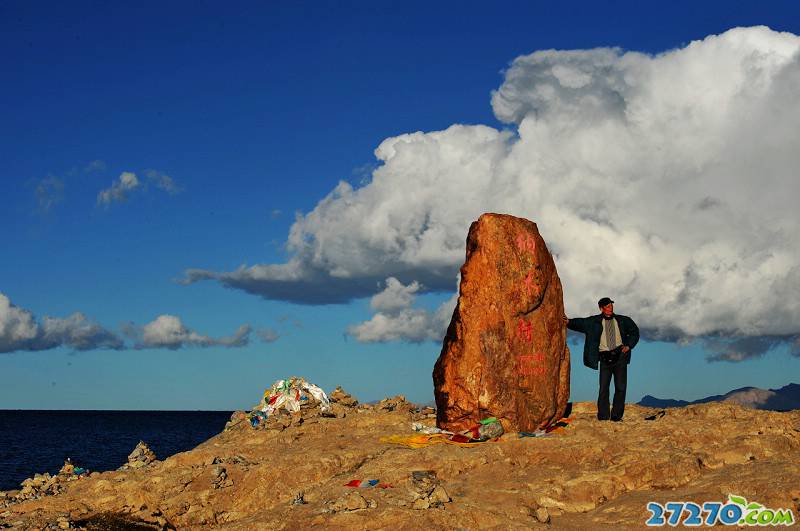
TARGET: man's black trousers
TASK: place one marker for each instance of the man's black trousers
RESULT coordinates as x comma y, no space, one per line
620,372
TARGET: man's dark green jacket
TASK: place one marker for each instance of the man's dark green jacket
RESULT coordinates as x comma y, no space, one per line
593,328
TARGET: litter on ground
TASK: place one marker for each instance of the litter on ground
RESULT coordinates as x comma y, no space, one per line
358,483
489,429
485,430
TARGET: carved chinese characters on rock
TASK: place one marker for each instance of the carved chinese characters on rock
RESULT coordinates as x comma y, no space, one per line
526,246
525,331
531,364
531,287
526,242
505,352
528,366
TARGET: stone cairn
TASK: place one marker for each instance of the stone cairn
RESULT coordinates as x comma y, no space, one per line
141,456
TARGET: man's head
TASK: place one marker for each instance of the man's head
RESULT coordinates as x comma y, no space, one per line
606,306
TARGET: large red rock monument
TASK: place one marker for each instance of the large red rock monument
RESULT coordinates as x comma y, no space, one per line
505,354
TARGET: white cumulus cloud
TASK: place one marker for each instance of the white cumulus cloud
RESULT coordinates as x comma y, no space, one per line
396,319
19,330
667,182
168,331
18,327
395,296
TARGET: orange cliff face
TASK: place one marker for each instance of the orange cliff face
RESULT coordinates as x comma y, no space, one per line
505,354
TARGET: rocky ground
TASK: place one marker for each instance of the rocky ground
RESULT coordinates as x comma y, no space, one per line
292,474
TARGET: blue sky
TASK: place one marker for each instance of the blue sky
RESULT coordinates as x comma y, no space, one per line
237,120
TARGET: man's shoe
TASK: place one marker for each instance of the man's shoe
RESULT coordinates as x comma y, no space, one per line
616,420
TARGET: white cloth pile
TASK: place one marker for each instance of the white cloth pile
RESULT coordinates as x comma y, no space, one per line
290,394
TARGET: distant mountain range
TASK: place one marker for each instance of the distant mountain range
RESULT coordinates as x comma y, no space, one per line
783,399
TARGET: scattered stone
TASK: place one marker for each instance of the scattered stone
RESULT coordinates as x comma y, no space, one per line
337,410
141,456
423,482
282,419
505,353
421,503
299,498
277,422
425,412
426,490
296,419
116,521
234,460
238,420
396,403
79,510
339,396
220,478
44,484
352,501
439,495
355,501
341,403
542,515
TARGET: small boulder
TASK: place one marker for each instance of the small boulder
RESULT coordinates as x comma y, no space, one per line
439,495
352,501
542,515
421,503
355,501
299,498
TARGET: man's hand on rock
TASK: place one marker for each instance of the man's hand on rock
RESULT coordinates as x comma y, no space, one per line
565,318
625,349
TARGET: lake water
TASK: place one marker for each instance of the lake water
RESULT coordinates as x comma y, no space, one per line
39,441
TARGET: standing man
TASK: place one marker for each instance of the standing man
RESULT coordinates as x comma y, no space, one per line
609,340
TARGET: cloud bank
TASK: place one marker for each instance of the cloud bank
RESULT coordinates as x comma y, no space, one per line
667,182
20,331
